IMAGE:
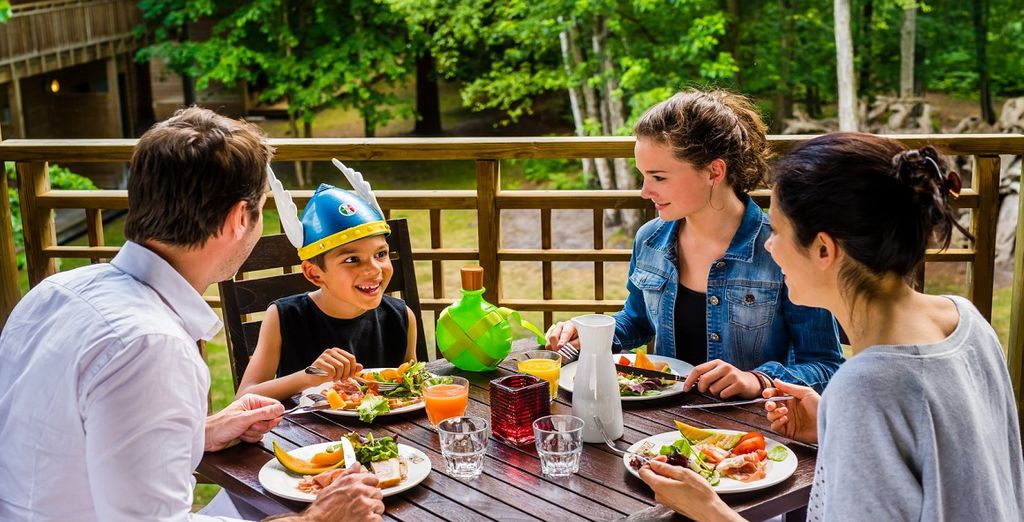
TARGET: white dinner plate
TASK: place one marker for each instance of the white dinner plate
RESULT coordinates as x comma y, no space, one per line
675,366
776,471
305,401
283,483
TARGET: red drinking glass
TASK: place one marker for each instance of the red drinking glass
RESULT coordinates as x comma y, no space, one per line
516,401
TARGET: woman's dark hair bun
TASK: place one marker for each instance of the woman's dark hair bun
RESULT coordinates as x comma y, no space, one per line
927,174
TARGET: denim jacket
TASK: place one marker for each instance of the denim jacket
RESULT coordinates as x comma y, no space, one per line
751,322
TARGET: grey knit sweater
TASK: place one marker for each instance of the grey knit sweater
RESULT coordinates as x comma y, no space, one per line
925,432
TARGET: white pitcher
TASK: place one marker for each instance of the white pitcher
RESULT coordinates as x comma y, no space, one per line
595,390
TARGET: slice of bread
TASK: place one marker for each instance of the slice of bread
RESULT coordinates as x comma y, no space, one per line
389,472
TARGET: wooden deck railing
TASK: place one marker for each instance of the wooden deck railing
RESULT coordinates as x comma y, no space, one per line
488,200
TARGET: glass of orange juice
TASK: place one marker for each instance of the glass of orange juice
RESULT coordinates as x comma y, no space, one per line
542,364
445,397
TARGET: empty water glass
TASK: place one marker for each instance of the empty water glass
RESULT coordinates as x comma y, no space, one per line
559,440
463,445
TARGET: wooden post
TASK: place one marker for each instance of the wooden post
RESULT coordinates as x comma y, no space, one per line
547,282
94,227
37,223
9,291
1015,351
981,272
488,178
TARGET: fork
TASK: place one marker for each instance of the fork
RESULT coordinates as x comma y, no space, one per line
569,353
383,387
611,444
318,406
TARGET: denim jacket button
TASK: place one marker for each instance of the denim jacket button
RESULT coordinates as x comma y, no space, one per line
720,264
713,300
715,337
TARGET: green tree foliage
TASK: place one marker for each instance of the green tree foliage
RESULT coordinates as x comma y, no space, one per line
311,55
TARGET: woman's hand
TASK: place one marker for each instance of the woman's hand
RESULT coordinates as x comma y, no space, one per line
724,380
561,333
797,418
338,364
685,492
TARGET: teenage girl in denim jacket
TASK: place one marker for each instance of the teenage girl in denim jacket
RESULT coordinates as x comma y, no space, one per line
700,281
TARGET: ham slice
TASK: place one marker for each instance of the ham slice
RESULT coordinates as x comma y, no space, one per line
744,468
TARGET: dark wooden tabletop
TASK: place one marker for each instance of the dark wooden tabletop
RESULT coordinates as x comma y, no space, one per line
512,486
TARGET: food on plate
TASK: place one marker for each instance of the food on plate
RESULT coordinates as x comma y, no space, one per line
368,400
379,456
631,385
303,466
642,361
715,454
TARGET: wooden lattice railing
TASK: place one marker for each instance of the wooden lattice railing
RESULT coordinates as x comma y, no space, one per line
488,201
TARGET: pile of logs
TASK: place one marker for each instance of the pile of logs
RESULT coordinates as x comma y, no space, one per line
889,115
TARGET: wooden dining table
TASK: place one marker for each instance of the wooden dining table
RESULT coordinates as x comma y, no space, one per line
512,486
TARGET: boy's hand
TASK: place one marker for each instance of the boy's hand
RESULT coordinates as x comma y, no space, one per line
338,364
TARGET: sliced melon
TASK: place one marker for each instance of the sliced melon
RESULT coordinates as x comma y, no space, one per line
642,361
725,441
301,466
328,457
693,433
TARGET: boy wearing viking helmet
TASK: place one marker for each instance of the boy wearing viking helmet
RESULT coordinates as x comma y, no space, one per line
348,322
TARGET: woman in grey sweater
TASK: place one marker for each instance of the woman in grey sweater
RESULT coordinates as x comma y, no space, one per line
921,424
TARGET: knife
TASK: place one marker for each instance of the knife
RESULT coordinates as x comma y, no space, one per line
349,451
653,374
736,403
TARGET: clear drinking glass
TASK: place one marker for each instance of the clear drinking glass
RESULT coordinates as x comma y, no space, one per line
559,440
544,364
463,445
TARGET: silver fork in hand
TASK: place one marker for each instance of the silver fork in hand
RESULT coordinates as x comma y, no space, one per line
569,353
382,387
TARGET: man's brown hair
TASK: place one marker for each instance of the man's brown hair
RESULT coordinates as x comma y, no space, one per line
188,171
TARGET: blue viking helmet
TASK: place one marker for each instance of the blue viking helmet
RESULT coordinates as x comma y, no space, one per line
334,217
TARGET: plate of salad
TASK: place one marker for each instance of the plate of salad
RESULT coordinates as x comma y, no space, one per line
301,473
636,387
731,461
351,398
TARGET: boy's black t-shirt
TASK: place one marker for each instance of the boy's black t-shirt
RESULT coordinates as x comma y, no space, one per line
377,338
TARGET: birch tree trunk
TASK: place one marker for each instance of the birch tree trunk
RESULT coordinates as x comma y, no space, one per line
574,99
844,67
907,35
612,217
624,179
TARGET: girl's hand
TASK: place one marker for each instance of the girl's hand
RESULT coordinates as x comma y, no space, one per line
724,380
561,333
685,492
798,418
338,364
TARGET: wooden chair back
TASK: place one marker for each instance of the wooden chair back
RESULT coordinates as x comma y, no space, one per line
247,294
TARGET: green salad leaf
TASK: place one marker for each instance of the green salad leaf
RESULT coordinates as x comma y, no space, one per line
778,453
369,450
372,406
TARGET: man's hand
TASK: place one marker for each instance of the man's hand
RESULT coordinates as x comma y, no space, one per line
724,380
354,495
247,418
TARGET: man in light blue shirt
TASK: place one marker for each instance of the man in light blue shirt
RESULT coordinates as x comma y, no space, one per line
102,389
